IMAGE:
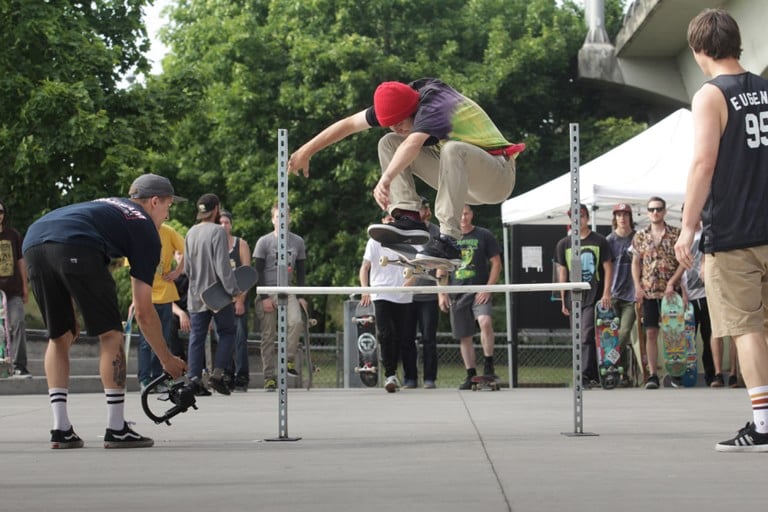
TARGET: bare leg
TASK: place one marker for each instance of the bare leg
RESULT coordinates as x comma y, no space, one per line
112,360
467,352
652,348
486,334
717,354
753,358
734,357
57,361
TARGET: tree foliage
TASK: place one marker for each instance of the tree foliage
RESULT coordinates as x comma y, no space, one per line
68,132
248,68
241,69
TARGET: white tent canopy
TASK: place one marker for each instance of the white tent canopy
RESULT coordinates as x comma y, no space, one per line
653,163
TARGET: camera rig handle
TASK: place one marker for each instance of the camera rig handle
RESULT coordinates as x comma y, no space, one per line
181,394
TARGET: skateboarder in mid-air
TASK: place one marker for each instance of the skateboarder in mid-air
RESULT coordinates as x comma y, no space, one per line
442,137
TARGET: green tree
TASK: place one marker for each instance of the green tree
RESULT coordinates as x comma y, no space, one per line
248,68
68,132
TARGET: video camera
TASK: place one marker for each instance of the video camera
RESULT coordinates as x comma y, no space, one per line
180,393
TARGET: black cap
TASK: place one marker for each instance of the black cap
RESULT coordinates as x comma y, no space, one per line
150,185
206,205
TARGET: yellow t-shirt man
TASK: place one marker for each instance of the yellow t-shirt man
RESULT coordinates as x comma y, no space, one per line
164,291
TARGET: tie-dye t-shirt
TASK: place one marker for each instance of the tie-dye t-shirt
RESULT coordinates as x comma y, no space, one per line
445,114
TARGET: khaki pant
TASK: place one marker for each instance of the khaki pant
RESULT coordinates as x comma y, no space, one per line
460,172
268,323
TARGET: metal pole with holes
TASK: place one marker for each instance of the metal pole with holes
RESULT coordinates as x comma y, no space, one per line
282,281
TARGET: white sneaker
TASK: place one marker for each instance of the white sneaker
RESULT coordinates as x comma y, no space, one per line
392,384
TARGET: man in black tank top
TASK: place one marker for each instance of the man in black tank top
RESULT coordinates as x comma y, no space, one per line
728,189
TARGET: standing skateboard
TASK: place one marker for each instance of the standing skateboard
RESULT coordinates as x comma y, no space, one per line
608,346
482,382
675,343
413,266
308,322
127,333
367,345
643,356
691,374
6,357
216,298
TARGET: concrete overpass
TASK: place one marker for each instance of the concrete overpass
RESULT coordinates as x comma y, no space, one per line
650,58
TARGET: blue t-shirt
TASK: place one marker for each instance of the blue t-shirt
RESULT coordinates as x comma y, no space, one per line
116,227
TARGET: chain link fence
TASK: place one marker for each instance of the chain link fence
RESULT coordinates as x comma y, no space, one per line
543,359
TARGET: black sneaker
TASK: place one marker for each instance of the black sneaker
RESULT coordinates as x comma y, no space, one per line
403,230
717,381
63,439
733,381
676,382
746,440
652,382
241,385
201,390
443,247
291,369
467,384
21,373
219,384
126,438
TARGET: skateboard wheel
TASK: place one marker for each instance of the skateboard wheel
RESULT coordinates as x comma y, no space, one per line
616,319
408,273
383,261
599,322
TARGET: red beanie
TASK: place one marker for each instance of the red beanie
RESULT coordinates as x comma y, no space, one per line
393,102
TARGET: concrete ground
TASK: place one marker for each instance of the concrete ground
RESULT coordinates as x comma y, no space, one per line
366,450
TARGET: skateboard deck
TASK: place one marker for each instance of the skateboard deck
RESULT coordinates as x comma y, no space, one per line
691,375
675,342
127,333
414,266
608,346
642,362
385,235
6,358
367,345
216,298
485,382
308,322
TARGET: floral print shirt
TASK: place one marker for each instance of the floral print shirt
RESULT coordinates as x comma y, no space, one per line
658,261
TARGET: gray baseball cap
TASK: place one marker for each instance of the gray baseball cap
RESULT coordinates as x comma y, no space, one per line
150,185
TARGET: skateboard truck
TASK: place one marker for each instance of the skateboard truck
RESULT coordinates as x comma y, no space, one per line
181,394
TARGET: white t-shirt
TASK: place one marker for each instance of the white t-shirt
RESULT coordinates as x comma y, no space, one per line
391,275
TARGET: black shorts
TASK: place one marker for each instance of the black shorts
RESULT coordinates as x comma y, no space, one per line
651,313
61,273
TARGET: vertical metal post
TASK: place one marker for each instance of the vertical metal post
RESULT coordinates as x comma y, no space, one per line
575,276
282,280
510,302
